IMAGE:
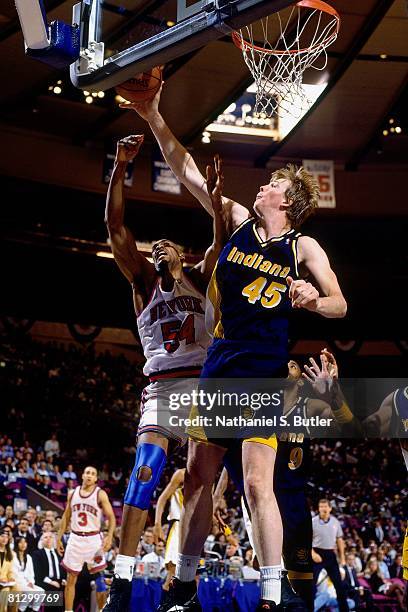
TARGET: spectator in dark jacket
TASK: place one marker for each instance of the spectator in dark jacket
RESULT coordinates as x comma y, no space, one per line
396,569
49,574
22,531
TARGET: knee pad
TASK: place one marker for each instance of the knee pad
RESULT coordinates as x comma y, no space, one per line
139,492
100,584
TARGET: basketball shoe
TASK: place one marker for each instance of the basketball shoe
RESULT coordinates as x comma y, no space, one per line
290,601
181,597
119,596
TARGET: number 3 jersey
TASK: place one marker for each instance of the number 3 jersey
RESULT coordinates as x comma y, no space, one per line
248,295
86,513
172,328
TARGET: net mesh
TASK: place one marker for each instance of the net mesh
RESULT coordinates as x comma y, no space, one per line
278,62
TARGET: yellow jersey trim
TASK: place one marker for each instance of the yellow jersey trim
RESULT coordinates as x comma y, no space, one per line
300,575
214,297
272,441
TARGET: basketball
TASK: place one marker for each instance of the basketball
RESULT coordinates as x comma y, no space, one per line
141,87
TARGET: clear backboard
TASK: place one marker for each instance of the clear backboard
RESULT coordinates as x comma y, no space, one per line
195,24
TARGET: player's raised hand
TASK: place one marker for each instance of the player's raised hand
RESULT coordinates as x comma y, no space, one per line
147,109
215,182
60,548
319,377
302,294
127,148
331,363
158,533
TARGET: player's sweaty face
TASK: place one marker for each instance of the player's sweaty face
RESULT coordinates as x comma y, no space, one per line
164,250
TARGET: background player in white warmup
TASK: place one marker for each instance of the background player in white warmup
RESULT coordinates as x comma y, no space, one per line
170,307
85,508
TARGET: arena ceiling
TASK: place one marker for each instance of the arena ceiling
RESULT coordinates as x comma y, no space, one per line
53,147
367,85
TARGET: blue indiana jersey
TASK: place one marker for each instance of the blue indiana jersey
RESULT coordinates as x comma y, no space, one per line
248,305
292,464
248,290
399,418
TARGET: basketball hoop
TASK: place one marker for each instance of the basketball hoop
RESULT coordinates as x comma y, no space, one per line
289,47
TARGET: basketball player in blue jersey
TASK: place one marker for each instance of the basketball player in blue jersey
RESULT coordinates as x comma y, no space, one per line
256,284
170,307
389,420
290,479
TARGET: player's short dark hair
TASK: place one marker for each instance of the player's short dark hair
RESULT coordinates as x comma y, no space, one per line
324,500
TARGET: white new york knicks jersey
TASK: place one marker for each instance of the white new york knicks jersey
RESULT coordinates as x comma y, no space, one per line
176,504
172,328
86,514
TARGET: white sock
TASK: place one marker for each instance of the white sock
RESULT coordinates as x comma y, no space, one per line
271,583
186,567
124,567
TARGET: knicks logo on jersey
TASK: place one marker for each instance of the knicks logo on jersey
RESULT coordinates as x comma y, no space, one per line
82,507
182,303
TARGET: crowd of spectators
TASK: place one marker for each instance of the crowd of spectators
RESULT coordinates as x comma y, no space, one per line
73,391
69,407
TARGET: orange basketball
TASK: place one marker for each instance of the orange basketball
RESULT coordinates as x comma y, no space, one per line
141,87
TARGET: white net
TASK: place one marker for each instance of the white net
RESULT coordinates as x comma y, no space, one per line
289,45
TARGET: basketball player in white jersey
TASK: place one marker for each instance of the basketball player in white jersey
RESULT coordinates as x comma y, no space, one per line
170,309
83,513
173,493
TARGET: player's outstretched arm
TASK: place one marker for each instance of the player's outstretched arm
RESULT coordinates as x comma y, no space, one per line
218,502
304,295
133,265
65,520
218,497
176,481
378,423
181,161
215,184
219,491
110,515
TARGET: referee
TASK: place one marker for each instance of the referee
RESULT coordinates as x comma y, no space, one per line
327,537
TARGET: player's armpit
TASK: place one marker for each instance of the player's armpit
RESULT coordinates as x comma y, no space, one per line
235,214
130,261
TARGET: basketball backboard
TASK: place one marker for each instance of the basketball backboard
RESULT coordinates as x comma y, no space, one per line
198,23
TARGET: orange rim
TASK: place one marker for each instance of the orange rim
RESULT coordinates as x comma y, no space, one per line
319,5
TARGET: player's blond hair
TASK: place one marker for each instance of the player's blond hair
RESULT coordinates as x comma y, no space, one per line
302,195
